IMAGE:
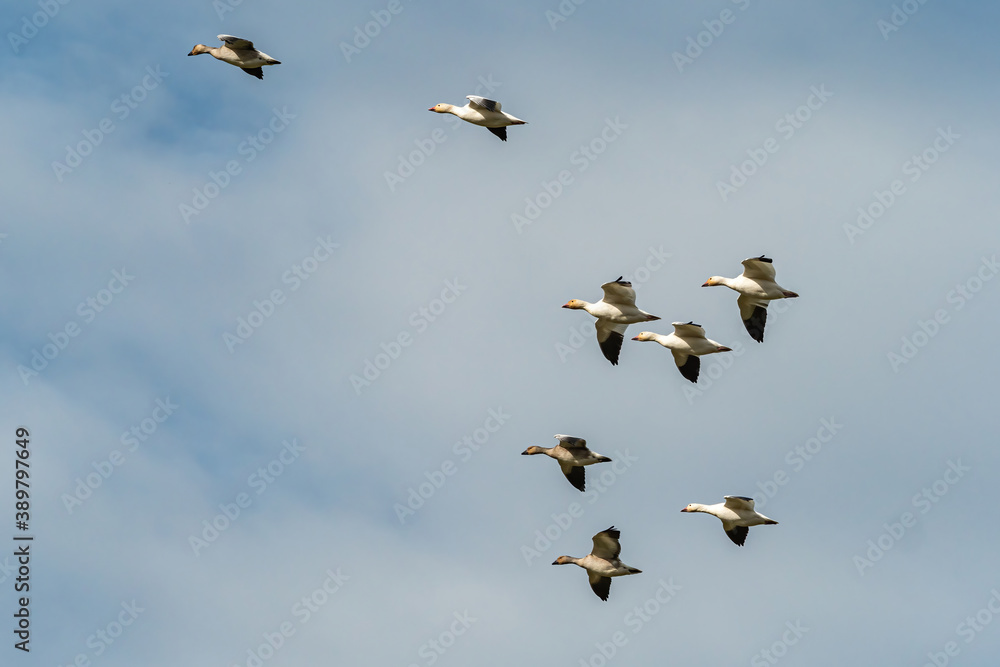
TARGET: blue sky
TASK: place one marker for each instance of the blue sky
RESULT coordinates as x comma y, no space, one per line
195,499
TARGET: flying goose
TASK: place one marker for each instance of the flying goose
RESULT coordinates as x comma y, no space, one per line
602,563
572,454
687,343
483,112
737,515
614,313
756,287
239,52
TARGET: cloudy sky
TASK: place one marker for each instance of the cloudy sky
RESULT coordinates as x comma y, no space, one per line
279,344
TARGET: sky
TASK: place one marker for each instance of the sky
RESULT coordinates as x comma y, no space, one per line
278,345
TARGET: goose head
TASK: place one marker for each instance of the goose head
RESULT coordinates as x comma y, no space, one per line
575,304
441,108
534,449
713,281
645,335
199,48
564,560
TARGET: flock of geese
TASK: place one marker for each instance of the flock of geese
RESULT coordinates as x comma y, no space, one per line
756,287
617,310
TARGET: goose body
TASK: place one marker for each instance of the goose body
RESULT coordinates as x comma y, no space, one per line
737,515
602,562
483,112
572,454
239,52
756,287
614,313
687,343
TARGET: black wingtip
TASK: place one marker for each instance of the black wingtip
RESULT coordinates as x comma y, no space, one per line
756,322
612,347
690,368
602,588
738,535
577,477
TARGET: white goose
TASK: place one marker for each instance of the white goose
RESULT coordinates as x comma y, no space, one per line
602,563
756,287
614,313
737,515
239,52
687,343
572,454
483,112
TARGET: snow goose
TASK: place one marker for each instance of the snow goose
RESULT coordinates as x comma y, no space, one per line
687,343
756,287
614,313
483,112
572,454
239,52
737,515
602,563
